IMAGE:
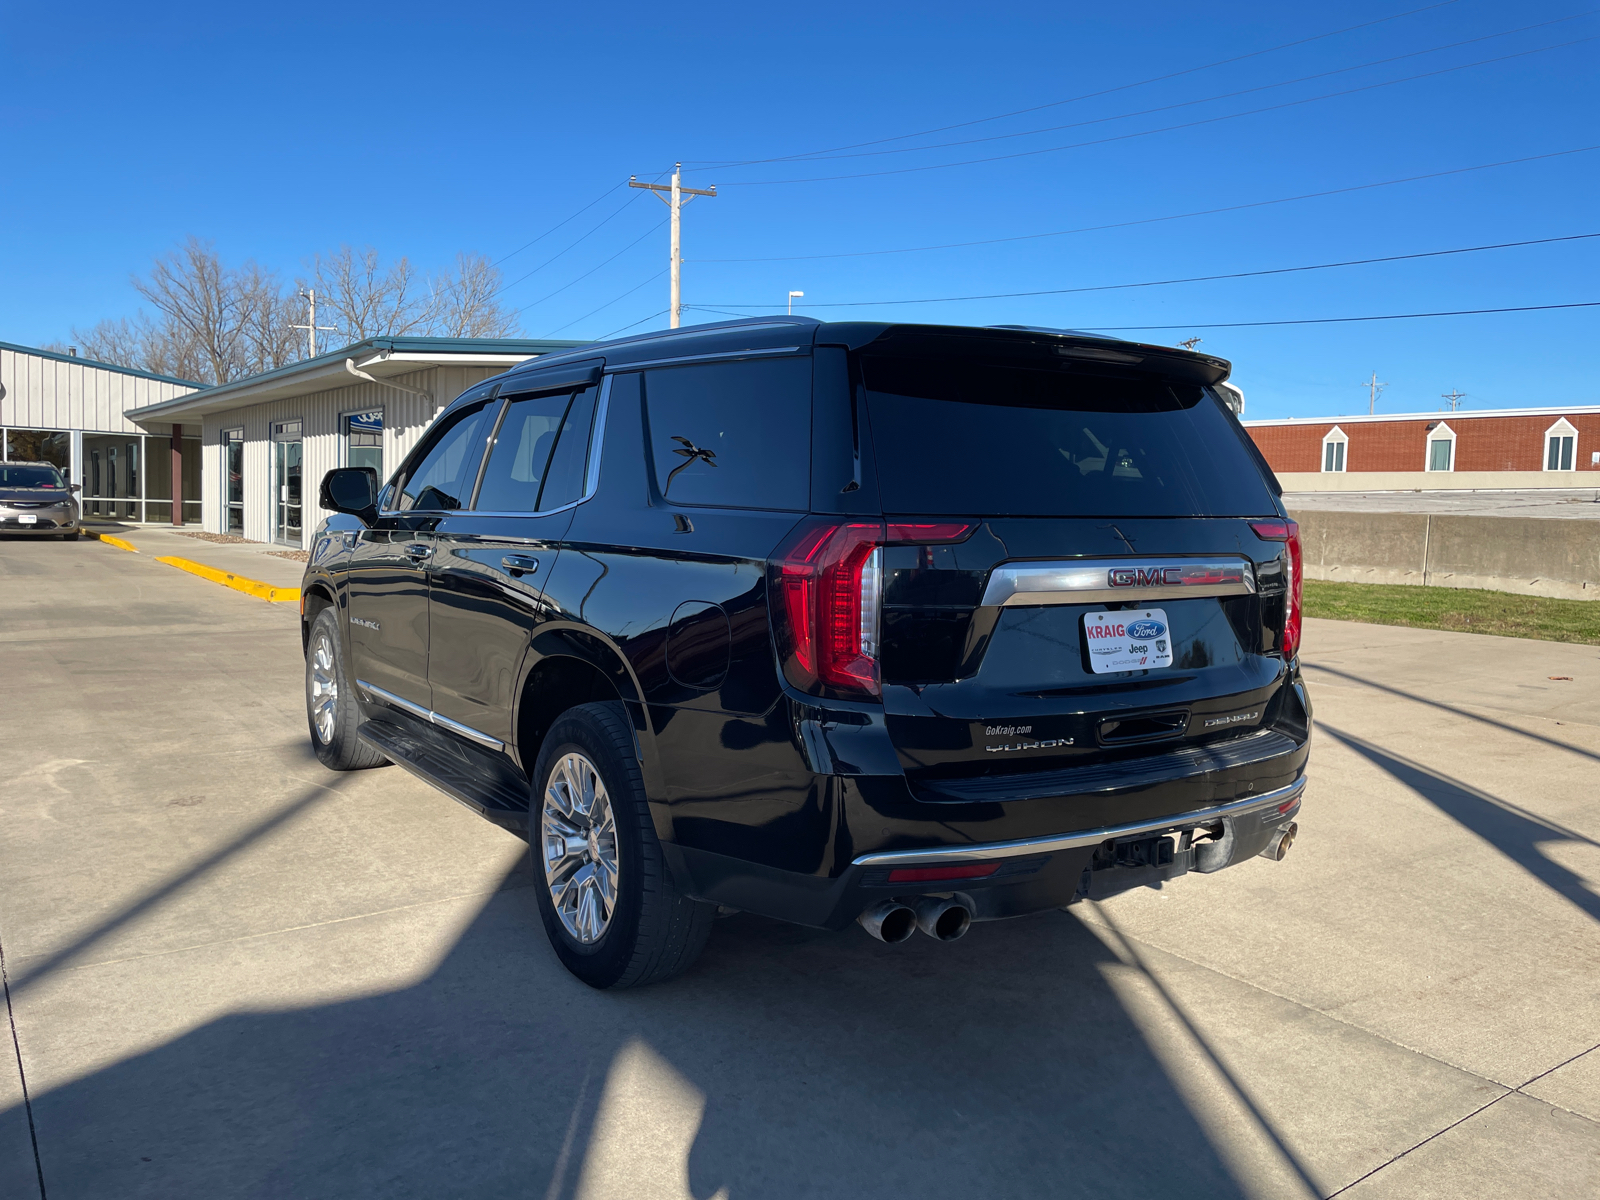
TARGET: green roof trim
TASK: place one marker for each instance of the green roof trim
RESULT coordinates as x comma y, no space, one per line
97,364
393,345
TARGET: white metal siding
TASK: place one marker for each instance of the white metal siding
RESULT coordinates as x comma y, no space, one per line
46,393
405,417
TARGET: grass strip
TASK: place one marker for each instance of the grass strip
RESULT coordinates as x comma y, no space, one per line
1465,610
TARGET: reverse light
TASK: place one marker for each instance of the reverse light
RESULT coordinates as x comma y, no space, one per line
933,874
1288,532
828,592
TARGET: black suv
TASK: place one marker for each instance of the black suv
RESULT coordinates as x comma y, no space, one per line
905,625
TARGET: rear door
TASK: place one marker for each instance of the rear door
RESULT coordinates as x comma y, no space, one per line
491,565
387,580
1111,598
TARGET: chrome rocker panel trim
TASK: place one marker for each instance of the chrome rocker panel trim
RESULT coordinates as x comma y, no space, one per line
1089,581
1088,837
416,710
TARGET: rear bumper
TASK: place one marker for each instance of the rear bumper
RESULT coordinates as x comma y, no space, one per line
1033,874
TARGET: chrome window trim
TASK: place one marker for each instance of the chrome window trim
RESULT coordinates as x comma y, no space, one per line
691,359
1087,581
433,718
1089,837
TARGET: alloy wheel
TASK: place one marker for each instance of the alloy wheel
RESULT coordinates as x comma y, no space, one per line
580,848
324,688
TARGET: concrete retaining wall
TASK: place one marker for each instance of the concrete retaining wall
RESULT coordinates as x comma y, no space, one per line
1531,556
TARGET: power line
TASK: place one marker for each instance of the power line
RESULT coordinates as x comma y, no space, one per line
1085,96
608,304
1461,312
557,226
1114,287
1122,137
998,137
1202,212
592,270
631,324
571,246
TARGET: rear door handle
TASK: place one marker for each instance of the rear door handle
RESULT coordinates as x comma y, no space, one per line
517,565
417,551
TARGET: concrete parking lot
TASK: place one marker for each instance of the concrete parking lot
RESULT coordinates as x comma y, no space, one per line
232,973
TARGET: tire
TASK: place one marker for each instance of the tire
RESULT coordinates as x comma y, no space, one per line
653,931
333,719
73,536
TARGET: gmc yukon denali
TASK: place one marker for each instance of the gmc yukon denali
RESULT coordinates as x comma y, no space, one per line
911,626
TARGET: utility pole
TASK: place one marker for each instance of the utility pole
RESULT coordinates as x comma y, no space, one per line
1453,398
1374,390
1191,343
311,329
677,192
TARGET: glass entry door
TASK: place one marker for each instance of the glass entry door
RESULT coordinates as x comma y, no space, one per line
287,462
233,484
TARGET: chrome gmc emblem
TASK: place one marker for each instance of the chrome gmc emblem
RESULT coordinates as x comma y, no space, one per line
1144,576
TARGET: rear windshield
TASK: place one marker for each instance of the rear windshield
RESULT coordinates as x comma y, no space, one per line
991,438
31,477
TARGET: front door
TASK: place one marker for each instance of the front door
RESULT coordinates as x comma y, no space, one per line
287,464
388,573
491,566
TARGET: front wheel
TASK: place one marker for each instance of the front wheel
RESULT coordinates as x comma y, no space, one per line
331,708
610,906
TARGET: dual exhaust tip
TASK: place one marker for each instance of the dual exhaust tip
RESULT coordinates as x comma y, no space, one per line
943,918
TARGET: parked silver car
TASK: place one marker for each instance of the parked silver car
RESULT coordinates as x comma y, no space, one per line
35,499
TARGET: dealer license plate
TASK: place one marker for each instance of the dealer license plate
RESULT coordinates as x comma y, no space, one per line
27,519
1129,640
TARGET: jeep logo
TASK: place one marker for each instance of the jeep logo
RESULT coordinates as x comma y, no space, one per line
1145,576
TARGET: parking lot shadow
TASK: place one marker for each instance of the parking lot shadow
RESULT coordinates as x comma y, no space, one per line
788,1063
1510,829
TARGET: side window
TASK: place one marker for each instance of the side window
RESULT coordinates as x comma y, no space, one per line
520,455
735,434
570,463
444,475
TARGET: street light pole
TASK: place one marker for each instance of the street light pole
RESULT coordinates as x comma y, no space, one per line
792,296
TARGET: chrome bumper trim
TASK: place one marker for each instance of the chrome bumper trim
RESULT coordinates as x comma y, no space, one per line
416,710
1096,580
1088,837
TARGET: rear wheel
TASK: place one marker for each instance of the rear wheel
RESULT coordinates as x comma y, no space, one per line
611,908
331,708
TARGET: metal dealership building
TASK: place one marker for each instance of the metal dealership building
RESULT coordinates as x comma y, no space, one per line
265,442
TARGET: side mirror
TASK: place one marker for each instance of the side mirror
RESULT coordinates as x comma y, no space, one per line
76,488
352,490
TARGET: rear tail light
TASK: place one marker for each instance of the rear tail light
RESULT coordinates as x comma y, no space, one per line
827,582
1288,532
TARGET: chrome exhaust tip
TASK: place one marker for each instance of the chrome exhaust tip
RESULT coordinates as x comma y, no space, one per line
889,921
942,918
1278,848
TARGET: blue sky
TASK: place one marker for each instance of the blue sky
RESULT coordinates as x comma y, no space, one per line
427,130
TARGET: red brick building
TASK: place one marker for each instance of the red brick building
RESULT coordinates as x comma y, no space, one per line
1510,447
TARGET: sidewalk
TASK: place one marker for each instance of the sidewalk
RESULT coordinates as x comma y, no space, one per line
253,560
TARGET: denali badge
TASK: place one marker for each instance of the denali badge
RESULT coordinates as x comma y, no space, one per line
366,623
1234,719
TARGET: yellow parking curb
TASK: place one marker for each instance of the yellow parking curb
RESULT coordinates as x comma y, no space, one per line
251,587
110,541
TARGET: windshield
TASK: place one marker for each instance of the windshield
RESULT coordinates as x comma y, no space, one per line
32,475
982,437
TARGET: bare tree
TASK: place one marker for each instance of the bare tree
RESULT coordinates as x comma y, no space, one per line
193,290
365,301
466,301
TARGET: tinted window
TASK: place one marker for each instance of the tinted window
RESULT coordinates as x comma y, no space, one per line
31,477
444,475
990,438
735,434
521,454
570,463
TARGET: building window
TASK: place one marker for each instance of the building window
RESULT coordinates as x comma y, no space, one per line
233,481
1561,446
1441,448
1333,449
363,440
